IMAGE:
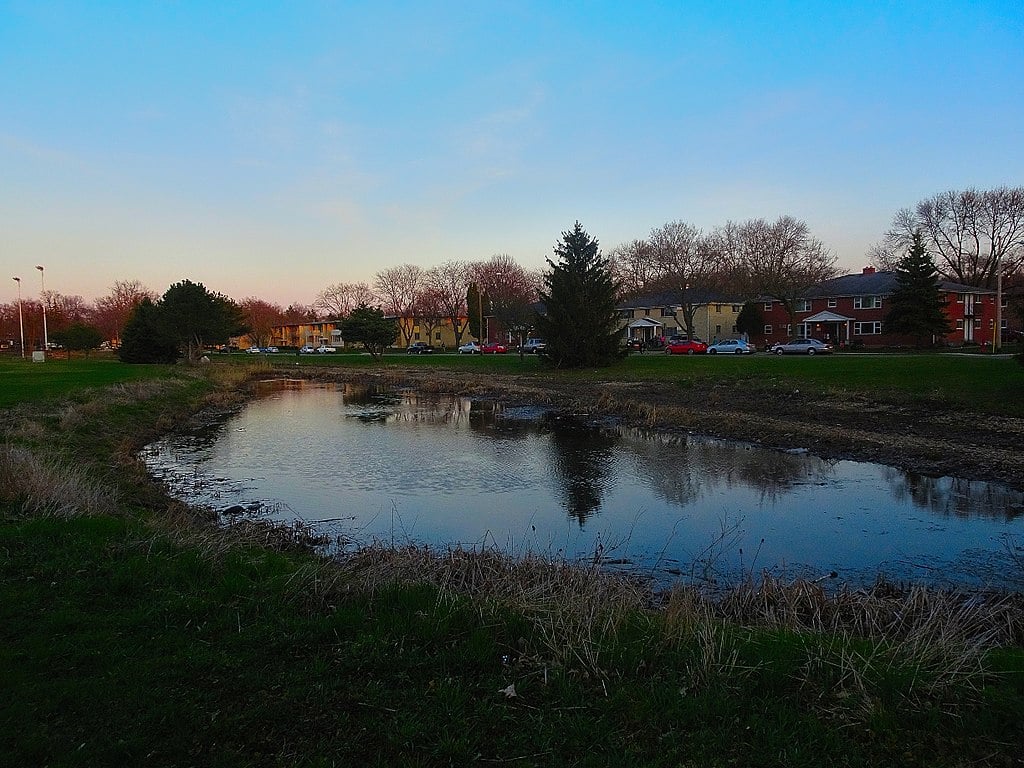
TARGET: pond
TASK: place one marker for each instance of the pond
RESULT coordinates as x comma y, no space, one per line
398,467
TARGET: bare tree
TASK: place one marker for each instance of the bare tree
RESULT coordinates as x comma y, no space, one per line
512,290
429,312
634,268
449,283
111,312
687,263
397,289
300,313
62,311
971,234
780,259
260,317
340,299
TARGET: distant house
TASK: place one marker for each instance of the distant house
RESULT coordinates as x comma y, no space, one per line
659,315
850,310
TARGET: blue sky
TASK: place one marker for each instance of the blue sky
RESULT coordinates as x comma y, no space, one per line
268,149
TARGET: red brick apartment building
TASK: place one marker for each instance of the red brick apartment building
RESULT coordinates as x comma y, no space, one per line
849,310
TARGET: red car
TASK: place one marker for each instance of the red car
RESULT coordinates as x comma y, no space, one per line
493,348
686,347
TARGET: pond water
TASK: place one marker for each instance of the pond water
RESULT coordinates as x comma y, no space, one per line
361,465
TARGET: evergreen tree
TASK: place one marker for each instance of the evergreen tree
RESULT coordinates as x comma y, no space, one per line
750,320
369,327
79,337
916,306
193,316
581,324
143,339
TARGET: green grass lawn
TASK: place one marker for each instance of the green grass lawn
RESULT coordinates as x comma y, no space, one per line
22,381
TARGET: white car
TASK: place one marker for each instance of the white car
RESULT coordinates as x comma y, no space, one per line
324,349
534,346
307,350
254,350
469,348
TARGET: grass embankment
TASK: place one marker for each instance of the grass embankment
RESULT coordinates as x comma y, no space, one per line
129,634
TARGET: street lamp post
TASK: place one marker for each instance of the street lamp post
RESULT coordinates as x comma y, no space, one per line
21,321
42,295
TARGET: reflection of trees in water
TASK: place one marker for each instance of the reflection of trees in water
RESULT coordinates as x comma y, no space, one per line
583,462
682,468
954,496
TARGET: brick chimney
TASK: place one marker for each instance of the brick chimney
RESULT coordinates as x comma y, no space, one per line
869,270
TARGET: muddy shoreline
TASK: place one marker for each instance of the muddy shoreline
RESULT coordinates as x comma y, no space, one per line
917,437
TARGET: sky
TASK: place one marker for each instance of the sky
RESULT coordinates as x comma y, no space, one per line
270,149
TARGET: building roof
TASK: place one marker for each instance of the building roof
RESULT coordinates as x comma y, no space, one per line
878,283
671,299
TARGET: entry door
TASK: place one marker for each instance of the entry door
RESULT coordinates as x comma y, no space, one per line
969,317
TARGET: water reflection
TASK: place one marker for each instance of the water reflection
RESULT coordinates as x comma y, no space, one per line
449,470
954,495
583,462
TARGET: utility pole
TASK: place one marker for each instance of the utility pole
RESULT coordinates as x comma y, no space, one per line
21,320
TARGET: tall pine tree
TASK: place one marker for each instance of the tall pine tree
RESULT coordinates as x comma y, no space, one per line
581,325
916,306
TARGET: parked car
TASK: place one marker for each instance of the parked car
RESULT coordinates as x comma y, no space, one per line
271,350
419,348
493,348
469,348
802,347
686,347
731,347
534,346
324,349
307,350
253,350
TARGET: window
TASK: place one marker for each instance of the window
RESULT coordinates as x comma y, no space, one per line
626,313
789,329
867,302
767,306
736,308
960,298
959,324
718,308
437,336
667,312
833,302
416,336
767,330
872,328
802,305
718,329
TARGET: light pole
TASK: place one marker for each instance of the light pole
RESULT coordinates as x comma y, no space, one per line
21,321
42,295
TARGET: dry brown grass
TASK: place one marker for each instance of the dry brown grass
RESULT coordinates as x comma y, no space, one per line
49,489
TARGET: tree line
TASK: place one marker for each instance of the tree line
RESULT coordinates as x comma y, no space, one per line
970,236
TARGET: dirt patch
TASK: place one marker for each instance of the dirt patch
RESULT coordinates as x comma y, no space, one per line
919,437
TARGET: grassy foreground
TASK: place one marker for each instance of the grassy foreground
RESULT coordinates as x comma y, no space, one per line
131,631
